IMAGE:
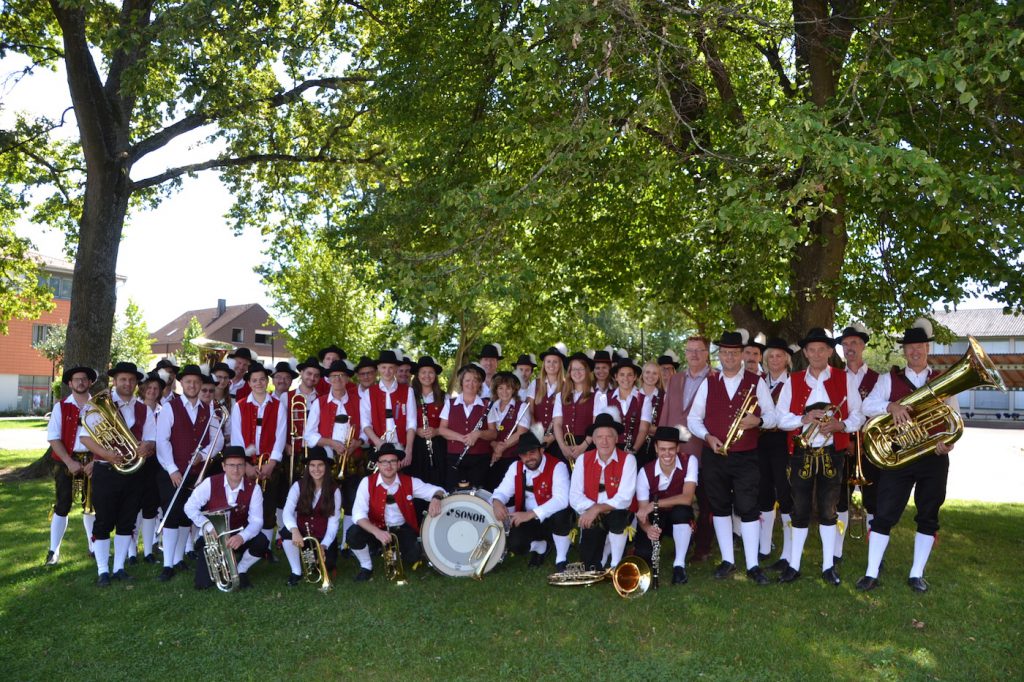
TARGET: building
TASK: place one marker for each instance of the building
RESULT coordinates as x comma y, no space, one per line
1001,335
25,375
247,324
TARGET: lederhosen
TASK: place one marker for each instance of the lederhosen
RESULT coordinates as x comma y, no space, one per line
773,462
268,433
731,481
592,539
184,442
666,517
117,497
257,546
63,481
407,533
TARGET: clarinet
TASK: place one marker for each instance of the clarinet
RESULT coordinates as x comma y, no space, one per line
654,421
630,433
426,424
465,450
654,519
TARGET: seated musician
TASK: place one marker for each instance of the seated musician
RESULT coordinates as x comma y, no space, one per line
313,507
538,486
601,492
671,479
384,506
245,499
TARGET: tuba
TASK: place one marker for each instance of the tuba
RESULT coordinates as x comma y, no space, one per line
211,352
113,434
394,571
889,445
314,565
631,578
220,559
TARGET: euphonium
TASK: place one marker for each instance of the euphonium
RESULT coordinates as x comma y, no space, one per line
735,432
889,445
314,565
631,578
113,434
220,559
391,554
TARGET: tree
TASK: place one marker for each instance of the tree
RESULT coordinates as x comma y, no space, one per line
22,295
131,340
51,346
188,353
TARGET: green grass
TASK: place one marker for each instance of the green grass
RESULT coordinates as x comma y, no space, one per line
28,423
55,624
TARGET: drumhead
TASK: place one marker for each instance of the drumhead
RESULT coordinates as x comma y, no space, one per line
450,538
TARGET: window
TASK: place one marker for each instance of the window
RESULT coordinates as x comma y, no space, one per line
237,336
991,400
59,284
40,332
33,395
262,338
996,346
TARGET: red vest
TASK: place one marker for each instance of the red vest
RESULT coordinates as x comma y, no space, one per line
433,411
69,414
578,416
316,522
329,410
403,498
777,391
630,418
249,412
544,409
868,383
901,386
184,434
543,482
592,474
507,426
675,484
243,392
656,400
219,500
378,414
721,410
461,424
836,389
139,425
323,386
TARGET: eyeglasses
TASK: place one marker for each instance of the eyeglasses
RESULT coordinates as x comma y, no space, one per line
233,464
387,462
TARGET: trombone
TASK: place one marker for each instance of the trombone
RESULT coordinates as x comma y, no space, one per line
858,514
298,410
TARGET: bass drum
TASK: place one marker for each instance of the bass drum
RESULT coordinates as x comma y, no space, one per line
450,538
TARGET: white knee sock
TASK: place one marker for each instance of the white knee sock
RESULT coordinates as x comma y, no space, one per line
539,546
797,550
363,555
170,541
269,534
246,562
562,544
57,528
828,546
121,544
617,541
181,545
148,529
749,531
292,552
876,551
787,536
723,532
88,520
681,533
767,526
133,548
922,548
844,522
102,550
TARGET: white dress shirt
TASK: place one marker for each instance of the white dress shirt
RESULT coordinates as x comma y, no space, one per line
623,496
643,488
466,409
695,420
53,428
339,432
392,514
201,496
164,425
280,433
878,401
603,400
291,517
389,435
127,409
789,421
497,414
506,490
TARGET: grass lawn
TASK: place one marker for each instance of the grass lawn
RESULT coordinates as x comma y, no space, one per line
55,624
27,423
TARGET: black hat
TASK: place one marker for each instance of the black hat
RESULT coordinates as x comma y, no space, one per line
428,361
365,362
155,376
604,355
584,358
207,379
527,442
316,454
406,361
65,378
233,451
558,349
758,342
241,353
340,366
730,340
602,420
779,343
856,329
322,353
673,434
491,350
621,363
190,370
166,363
507,375
310,363
223,367
526,359
920,332
473,367
126,368
817,335
388,357
388,449
285,367
255,368
669,357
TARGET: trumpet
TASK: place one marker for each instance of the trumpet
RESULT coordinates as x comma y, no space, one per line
570,440
314,565
391,554
804,440
735,431
631,578
81,486
113,434
260,461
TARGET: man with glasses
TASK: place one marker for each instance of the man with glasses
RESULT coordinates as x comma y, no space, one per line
384,505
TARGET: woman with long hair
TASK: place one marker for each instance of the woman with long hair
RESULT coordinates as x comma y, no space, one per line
549,388
429,447
313,507
574,411
652,388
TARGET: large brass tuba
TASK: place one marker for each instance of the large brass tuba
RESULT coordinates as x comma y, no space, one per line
220,559
113,434
631,578
889,445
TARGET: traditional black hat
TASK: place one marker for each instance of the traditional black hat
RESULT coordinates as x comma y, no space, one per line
817,335
190,370
65,378
512,376
558,349
365,362
340,366
604,355
387,449
779,343
758,342
322,353
730,340
310,363
491,350
223,367
241,353
207,379
155,376
388,357
526,359
621,363
316,454
427,361
669,357
166,363
473,367
233,452
605,420
406,360
584,358
285,367
673,434
527,442
856,329
126,368
920,332
256,368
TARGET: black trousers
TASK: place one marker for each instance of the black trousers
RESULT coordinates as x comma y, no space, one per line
645,453
287,478
330,551
592,539
274,484
408,542
61,488
520,537
116,498
496,472
731,483
349,486
825,489
927,477
473,471
257,547
773,459
678,514
175,517
151,499
426,466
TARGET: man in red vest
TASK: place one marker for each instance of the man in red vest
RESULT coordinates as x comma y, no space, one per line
820,408
388,411
732,477
926,476
601,491
230,490
70,458
327,357
538,488
117,497
240,361
384,505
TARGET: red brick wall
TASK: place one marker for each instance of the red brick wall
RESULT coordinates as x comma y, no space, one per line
17,356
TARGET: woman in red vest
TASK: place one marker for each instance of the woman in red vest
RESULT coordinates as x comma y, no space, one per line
652,389
773,457
464,426
508,418
574,410
633,406
553,362
429,448
313,507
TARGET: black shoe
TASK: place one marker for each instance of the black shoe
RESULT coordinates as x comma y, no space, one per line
243,581
364,575
762,557
837,561
166,574
560,566
293,580
345,553
831,576
917,584
52,558
133,560
122,575
780,565
103,580
756,575
181,566
789,575
149,559
536,560
724,570
867,583
191,555
679,576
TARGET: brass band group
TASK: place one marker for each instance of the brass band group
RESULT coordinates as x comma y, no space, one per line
332,462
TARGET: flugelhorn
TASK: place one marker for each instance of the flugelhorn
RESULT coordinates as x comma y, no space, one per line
735,432
391,555
314,565
113,434
485,546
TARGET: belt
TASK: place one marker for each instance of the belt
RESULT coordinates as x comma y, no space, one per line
341,419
